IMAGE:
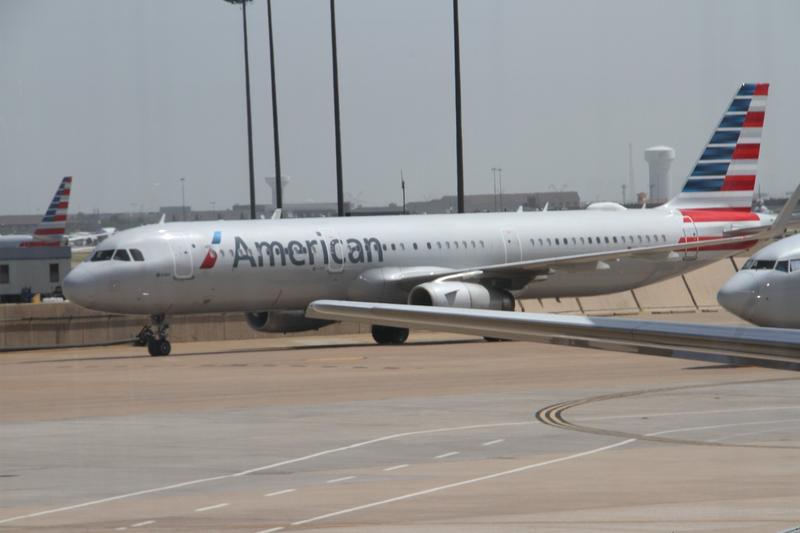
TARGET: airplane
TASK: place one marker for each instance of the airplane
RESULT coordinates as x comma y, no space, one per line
766,289
272,269
50,231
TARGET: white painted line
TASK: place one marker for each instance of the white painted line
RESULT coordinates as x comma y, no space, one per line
210,507
340,479
686,413
272,530
396,467
145,523
448,454
462,483
492,442
183,484
121,528
279,492
718,426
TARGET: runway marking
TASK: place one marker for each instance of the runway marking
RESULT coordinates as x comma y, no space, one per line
271,530
448,454
519,469
279,464
493,442
279,492
210,507
461,483
145,523
396,467
340,479
121,528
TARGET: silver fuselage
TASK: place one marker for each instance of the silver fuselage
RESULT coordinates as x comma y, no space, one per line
285,264
767,291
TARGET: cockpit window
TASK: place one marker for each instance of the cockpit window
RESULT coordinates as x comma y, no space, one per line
783,266
102,255
748,264
137,255
764,264
121,255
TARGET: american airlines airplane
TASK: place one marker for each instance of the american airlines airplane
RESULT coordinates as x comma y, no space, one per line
767,288
50,231
272,269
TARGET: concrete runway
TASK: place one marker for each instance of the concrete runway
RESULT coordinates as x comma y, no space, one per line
442,435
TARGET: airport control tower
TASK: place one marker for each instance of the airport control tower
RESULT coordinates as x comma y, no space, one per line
659,158
271,182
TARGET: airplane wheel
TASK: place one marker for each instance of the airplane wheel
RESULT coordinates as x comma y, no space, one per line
389,335
159,347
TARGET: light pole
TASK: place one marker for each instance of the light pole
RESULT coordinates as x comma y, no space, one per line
500,185
183,201
459,147
276,140
339,184
249,114
494,187
403,186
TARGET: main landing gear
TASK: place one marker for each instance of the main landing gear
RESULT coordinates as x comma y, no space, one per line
389,335
156,341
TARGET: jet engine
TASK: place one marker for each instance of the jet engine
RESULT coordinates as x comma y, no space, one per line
460,294
283,321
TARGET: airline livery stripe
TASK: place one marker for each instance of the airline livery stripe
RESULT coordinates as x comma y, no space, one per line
703,185
717,152
49,231
754,89
739,104
739,183
725,137
754,119
732,121
710,169
728,214
746,151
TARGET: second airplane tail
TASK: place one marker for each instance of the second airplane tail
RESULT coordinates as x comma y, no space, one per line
724,177
50,231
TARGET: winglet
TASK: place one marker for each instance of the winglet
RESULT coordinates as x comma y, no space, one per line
162,219
276,215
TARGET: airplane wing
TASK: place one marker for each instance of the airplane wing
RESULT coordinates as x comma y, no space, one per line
770,347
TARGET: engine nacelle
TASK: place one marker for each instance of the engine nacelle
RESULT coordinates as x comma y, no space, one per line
460,294
283,321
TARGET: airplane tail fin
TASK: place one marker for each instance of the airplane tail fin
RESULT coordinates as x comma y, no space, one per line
724,176
50,230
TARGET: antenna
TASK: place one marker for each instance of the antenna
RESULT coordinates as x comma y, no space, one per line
631,182
403,187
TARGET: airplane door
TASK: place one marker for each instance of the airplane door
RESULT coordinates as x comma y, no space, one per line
690,235
181,256
512,246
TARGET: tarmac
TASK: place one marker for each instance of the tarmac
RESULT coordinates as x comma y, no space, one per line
444,434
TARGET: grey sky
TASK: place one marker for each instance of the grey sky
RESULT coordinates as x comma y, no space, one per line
128,96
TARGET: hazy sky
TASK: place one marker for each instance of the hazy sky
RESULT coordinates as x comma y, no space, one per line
129,96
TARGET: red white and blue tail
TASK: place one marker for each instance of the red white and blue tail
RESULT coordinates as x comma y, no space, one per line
724,176
50,231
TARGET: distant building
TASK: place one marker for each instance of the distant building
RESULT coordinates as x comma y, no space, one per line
495,202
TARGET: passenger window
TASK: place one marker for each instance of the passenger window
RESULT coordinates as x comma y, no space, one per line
606,240
583,241
590,240
549,242
795,264
429,246
439,244
597,240
481,242
782,266
137,255
615,240
473,244
574,240
541,242
102,255
647,237
402,246
448,244
385,248
532,243
557,243
456,244
464,243
121,255
415,246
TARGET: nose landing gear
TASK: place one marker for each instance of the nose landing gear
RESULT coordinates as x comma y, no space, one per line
156,341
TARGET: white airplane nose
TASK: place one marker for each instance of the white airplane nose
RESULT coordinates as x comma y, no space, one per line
79,287
738,295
